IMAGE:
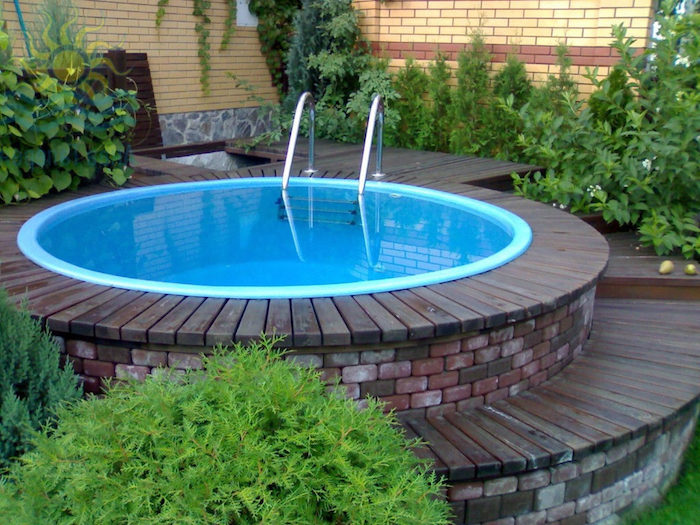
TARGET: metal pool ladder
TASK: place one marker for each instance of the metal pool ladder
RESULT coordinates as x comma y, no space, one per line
376,116
303,99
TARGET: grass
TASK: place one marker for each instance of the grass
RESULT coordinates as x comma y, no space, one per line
681,506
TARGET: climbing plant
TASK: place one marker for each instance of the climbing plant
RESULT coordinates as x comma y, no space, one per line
275,18
200,9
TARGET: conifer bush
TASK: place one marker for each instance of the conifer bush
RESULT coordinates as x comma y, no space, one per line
250,439
32,382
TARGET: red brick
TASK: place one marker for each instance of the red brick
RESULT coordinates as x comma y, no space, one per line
544,320
98,368
524,328
472,402
407,385
484,386
443,380
501,335
510,378
373,357
566,323
533,480
538,378
475,342
329,375
541,349
149,358
349,391
341,359
457,361
359,373
443,349
398,402
498,486
518,387
563,352
83,349
456,393
550,331
496,395
426,367
463,491
426,399
522,358
487,354
548,360
132,372
91,385
512,347
394,370
531,369
184,361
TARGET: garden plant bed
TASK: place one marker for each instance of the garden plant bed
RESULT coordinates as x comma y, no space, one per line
475,366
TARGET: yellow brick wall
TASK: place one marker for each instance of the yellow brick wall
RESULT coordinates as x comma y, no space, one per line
172,50
396,27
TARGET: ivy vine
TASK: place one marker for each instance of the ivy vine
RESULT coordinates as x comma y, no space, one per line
200,9
275,24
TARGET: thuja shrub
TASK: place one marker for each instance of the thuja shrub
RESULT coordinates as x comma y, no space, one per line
250,439
32,382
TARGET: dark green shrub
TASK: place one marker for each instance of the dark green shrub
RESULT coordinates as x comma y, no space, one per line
439,100
252,439
413,129
32,384
513,80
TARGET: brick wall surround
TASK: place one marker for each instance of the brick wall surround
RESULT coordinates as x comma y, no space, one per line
424,377
399,29
593,489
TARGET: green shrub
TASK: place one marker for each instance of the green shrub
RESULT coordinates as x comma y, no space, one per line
413,127
633,153
53,136
252,439
32,384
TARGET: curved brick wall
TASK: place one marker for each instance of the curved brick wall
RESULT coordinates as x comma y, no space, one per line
431,375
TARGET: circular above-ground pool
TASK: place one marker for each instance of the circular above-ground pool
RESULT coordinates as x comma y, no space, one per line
246,238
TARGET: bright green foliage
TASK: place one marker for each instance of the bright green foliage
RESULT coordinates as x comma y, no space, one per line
32,384
634,152
512,80
53,137
253,439
275,19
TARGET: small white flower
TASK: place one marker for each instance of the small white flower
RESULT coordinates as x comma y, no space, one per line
646,163
682,61
562,206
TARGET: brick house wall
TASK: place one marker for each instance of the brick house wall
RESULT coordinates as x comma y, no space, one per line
172,50
400,29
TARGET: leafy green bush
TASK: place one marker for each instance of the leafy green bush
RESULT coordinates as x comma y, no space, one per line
252,439
633,153
32,384
53,136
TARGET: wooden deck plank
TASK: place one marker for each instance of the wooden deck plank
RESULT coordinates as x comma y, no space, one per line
279,320
362,328
109,327
253,321
192,331
445,324
224,325
391,328
333,328
61,320
418,326
137,328
165,330
306,330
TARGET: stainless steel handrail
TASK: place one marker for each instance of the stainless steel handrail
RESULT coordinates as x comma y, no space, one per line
376,115
306,96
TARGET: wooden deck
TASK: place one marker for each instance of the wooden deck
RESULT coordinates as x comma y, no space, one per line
640,367
565,260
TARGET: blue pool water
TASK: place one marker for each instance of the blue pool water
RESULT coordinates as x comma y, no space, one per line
245,238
